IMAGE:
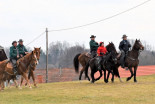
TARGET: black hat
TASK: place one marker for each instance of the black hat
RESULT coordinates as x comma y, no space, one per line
20,40
14,42
92,36
124,36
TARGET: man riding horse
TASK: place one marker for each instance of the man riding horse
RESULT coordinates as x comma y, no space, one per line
124,48
14,56
22,50
93,46
17,52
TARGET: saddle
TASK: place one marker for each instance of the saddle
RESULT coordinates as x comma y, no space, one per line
88,55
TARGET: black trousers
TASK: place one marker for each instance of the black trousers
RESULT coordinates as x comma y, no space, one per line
93,54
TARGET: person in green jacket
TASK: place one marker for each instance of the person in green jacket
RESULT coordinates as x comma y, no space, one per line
93,46
14,56
22,50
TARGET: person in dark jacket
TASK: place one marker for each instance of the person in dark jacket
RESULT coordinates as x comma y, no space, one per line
14,56
124,48
93,46
22,49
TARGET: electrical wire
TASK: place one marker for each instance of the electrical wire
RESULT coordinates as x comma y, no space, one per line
102,19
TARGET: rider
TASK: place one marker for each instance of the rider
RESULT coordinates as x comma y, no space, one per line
14,55
93,46
22,50
101,51
124,48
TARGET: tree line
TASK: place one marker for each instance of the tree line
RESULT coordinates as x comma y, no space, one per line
61,54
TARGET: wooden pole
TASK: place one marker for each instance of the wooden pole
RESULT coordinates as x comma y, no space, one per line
46,55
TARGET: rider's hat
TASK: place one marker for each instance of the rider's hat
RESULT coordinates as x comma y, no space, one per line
124,36
20,40
92,36
14,42
101,43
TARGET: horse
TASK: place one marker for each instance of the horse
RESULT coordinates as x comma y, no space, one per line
32,68
105,64
81,58
132,61
112,65
22,66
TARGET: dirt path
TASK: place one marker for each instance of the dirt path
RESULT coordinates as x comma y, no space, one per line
142,70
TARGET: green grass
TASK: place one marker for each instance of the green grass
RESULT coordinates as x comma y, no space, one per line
142,92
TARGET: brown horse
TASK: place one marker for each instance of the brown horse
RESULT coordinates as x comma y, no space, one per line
32,68
83,59
22,65
132,60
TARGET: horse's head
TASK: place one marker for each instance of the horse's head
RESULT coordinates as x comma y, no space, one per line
37,52
34,57
138,45
111,48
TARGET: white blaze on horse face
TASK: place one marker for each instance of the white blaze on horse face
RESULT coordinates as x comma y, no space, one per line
36,59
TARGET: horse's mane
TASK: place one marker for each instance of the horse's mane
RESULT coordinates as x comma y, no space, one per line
23,58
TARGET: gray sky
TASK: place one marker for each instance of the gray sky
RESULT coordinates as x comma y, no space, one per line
27,19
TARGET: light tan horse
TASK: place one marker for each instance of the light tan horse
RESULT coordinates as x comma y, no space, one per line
22,66
32,68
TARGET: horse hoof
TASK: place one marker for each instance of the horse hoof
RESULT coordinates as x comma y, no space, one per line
36,86
30,87
92,82
127,79
135,81
106,81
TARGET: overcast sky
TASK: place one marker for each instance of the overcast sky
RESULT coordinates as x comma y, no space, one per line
27,19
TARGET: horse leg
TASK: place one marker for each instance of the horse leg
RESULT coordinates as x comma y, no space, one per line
135,70
109,71
9,84
131,74
27,80
92,76
105,80
99,76
112,79
81,73
108,76
21,80
33,77
119,76
2,85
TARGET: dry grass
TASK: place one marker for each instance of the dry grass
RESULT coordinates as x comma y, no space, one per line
142,92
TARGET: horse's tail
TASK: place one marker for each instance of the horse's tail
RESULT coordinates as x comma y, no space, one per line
76,63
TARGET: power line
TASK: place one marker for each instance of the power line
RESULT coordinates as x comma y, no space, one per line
103,19
36,38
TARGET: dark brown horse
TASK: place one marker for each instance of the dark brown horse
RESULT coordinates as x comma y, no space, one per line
82,59
22,65
32,68
132,60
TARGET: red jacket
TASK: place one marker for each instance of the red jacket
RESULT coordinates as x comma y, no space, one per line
100,50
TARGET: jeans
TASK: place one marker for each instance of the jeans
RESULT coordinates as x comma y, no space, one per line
14,63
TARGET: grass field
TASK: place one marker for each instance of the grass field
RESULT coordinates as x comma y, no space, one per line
142,92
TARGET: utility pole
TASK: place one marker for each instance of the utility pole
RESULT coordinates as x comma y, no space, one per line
46,55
